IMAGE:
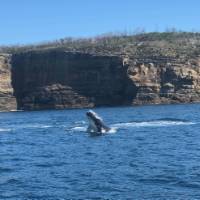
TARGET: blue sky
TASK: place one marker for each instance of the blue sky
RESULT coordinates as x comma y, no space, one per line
32,21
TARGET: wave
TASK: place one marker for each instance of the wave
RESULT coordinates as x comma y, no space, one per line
82,127
154,123
5,129
38,126
79,128
25,126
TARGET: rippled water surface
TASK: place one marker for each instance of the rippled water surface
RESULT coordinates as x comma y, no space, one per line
153,153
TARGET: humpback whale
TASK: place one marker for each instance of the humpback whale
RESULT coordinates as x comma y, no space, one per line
96,124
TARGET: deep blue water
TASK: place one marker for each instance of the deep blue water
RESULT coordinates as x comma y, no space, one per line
153,154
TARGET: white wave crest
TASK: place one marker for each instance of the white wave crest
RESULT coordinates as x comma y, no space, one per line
79,128
29,126
157,123
5,129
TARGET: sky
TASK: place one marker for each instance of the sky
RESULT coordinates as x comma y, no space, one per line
34,21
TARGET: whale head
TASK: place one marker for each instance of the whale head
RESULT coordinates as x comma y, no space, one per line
96,124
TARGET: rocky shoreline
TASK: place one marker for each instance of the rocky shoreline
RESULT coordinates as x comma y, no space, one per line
148,72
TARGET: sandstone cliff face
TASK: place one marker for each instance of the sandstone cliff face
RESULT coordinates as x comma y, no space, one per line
59,79
148,68
166,82
52,79
7,100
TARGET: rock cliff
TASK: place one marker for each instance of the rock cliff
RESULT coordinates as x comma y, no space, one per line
166,82
7,100
146,69
59,79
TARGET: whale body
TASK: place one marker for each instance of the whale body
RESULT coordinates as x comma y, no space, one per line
96,124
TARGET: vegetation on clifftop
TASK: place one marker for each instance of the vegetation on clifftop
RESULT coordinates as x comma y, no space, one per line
173,44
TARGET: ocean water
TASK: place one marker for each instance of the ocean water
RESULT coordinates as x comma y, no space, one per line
153,153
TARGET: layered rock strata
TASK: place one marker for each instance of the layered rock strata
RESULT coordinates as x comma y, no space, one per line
58,79
166,81
7,100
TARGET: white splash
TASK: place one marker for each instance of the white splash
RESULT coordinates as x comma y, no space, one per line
112,130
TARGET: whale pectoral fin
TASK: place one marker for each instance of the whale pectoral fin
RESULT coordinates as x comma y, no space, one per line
98,125
99,128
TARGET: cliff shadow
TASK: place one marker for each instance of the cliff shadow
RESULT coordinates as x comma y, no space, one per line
57,79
